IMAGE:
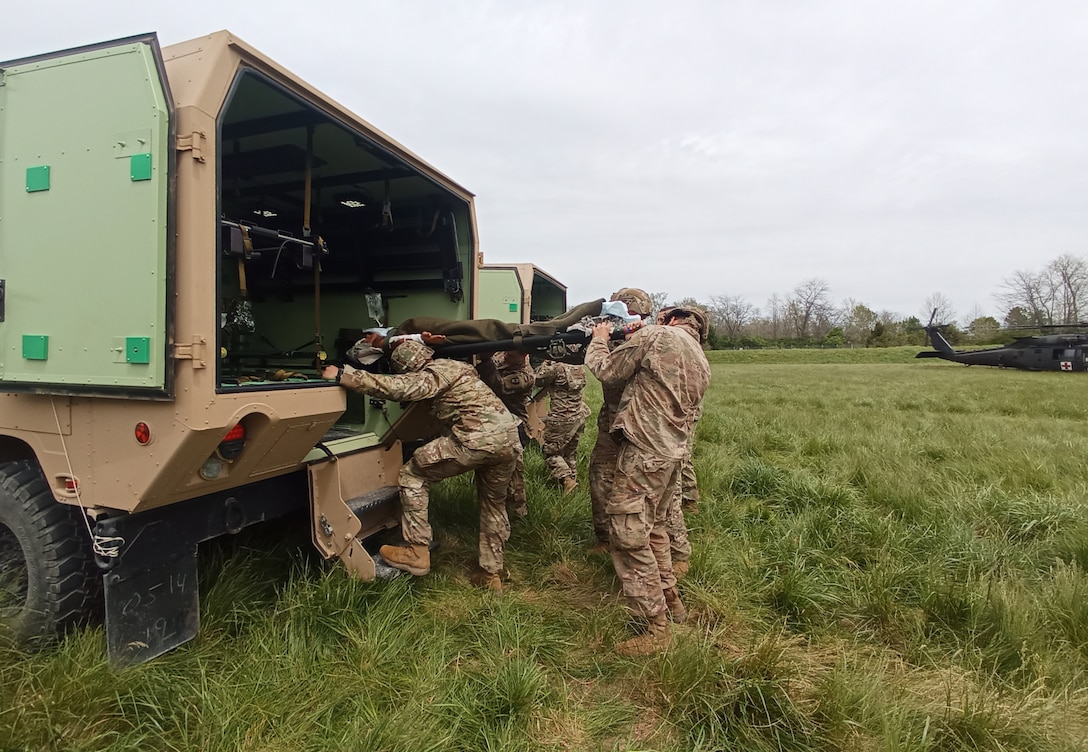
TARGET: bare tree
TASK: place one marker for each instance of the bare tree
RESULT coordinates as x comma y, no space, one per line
808,307
1069,276
730,314
974,314
774,314
940,307
658,299
1032,292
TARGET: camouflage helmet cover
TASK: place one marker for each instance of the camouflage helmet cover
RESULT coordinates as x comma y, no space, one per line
410,356
638,301
696,313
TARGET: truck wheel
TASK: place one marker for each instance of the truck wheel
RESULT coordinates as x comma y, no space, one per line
48,580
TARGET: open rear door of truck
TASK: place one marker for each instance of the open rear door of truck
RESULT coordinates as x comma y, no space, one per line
86,182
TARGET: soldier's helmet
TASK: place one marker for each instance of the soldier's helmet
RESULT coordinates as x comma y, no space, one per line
638,301
410,356
696,313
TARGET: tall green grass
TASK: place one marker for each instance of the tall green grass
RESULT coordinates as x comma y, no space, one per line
888,556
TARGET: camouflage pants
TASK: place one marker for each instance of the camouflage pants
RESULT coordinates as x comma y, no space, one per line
602,468
444,458
561,448
675,525
515,492
643,489
688,484
687,492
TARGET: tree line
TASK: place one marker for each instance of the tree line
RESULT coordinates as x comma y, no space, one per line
1055,295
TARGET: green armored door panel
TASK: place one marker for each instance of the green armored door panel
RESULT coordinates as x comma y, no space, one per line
85,174
499,295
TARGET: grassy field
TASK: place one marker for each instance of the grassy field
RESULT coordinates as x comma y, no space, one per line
890,555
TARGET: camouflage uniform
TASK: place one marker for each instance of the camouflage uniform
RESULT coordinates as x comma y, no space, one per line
566,419
664,374
513,385
685,495
602,460
481,436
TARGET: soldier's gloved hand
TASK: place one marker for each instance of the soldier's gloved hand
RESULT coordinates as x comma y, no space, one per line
602,330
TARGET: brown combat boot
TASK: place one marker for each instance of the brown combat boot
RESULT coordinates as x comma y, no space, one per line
656,638
680,568
410,558
677,612
569,484
691,506
481,578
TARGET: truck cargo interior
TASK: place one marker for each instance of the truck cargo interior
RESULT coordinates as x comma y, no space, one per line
314,216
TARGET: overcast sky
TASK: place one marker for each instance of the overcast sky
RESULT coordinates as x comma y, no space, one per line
701,148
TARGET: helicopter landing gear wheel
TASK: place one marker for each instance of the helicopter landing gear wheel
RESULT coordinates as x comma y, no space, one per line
48,579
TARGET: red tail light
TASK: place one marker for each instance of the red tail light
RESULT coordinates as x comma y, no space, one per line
233,443
238,432
143,433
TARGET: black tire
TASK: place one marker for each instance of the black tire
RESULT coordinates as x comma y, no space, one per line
48,579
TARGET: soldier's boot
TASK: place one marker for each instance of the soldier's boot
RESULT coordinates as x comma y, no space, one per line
481,578
411,558
569,484
656,638
680,568
677,612
691,506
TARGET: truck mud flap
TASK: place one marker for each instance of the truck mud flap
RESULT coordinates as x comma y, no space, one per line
152,596
152,611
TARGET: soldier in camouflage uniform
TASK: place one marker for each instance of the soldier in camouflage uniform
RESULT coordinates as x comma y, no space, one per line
686,495
602,460
480,435
566,419
664,375
511,377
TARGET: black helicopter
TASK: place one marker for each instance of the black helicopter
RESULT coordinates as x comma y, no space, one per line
1046,352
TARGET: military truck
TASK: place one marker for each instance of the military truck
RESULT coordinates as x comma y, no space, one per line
520,293
187,234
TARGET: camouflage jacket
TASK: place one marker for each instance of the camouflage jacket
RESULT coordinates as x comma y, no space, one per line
565,383
463,404
513,385
610,402
663,374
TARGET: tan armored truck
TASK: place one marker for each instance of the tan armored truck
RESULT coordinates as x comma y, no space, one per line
186,235
523,293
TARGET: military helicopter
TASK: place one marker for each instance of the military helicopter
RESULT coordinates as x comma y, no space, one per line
1047,352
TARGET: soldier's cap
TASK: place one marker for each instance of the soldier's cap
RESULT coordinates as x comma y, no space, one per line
694,312
410,356
638,301
381,331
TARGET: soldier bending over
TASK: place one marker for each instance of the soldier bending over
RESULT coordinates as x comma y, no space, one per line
480,435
